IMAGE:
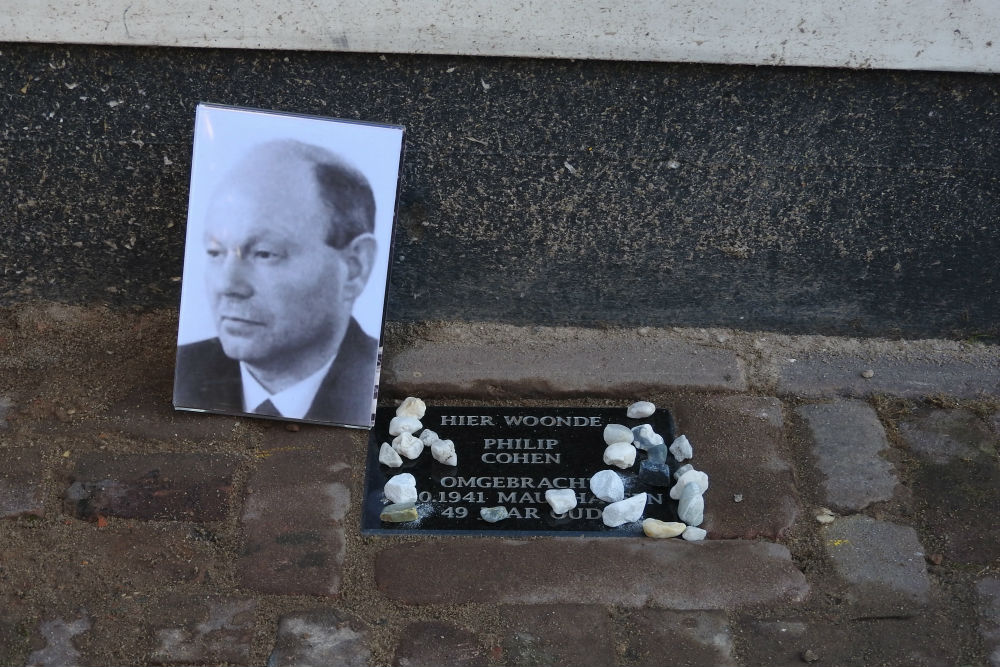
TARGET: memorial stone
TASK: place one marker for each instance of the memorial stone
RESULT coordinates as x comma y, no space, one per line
507,459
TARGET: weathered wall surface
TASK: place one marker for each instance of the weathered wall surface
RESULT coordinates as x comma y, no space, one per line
913,34
550,192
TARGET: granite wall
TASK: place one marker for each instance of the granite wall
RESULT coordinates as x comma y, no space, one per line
538,191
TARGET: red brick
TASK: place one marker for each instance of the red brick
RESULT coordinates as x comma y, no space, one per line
5,405
626,572
433,643
104,561
59,641
173,628
17,631
22,477
928,640
656,637
148,413
200,631
296,502
320,638
175,487
942,436
960,504
988,608
739,441
578,635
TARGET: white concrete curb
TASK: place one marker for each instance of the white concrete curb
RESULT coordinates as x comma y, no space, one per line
878,34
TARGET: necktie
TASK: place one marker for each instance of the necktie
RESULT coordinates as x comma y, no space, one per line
267,409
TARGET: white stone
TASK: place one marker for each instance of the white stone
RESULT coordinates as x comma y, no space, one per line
690,476
388,456
411,407
428,437
691,506
646,437
663,529
607,486
694,534
624,511
681,448
640,410
620,455
561,500
824,515
408,445
615,433
404,425
683,469
401,489
443,451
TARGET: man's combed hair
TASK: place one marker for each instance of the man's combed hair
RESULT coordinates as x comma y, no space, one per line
343,191
347,195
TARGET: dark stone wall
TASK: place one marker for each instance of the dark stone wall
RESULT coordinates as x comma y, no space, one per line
538,191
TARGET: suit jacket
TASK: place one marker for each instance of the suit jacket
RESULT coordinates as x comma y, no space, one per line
206,379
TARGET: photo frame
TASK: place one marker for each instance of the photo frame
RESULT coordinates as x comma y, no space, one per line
289,236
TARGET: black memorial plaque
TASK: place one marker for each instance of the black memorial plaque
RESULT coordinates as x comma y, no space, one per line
510,457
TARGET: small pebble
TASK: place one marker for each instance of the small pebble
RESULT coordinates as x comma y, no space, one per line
737,497
561,500
640,410
388,456
809,656
408,445
657,528
615,433
825,516
657,454
690,476
691,506
683,469
607,486
411,407
681,448
493,514
401,489
620,455
655,474
645,437
399,513
624,511
428,437
868,374
443,451
404,424
935,559
694,534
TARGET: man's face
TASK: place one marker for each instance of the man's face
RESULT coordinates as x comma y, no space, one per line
275,286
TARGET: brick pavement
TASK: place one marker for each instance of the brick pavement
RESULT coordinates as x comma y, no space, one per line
136,535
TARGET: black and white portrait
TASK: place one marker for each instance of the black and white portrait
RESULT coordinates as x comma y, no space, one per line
286,261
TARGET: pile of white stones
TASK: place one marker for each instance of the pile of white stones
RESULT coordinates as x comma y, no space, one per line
401,489
687,487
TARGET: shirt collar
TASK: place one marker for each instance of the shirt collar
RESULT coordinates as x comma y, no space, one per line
293,402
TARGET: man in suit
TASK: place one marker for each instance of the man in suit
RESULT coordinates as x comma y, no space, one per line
290,245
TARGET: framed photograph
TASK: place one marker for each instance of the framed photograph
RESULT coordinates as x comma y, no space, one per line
286,261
